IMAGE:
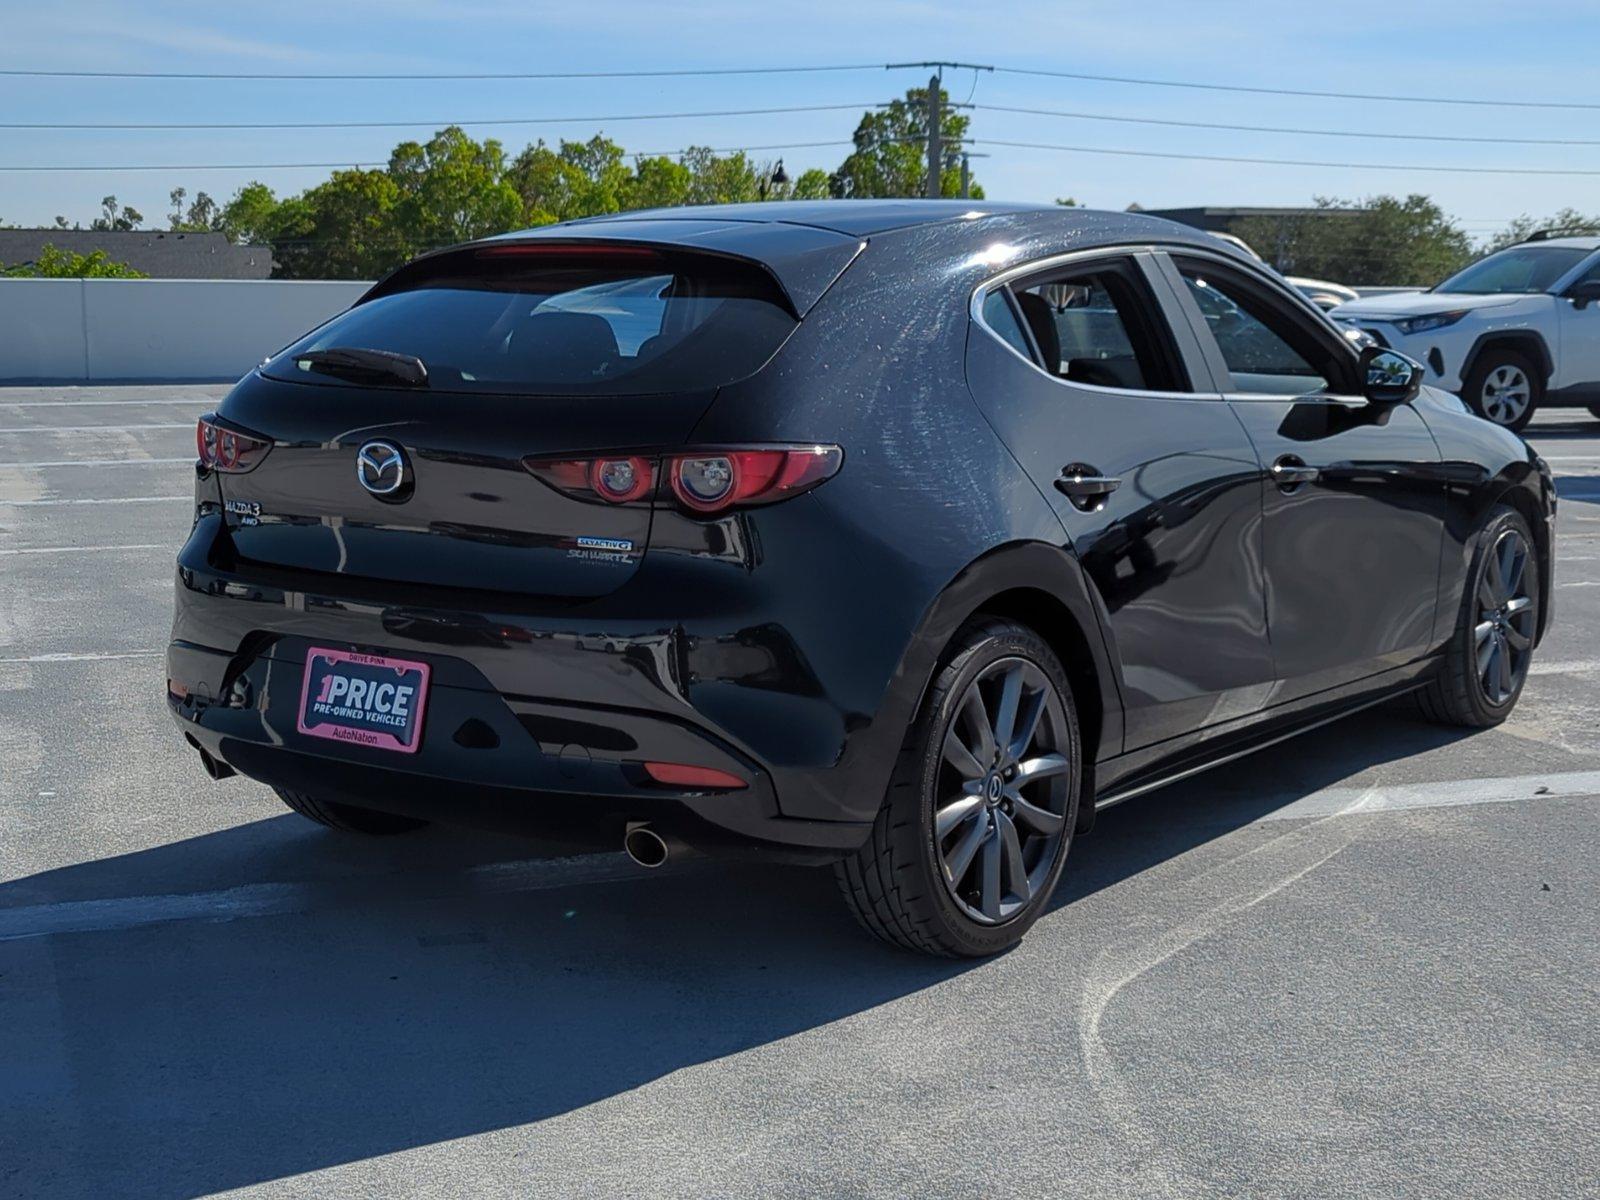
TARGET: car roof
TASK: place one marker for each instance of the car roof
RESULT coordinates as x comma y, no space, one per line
860,218
805,245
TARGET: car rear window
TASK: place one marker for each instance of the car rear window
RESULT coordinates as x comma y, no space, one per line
562,320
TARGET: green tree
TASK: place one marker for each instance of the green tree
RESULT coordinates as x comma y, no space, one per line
1379,241
54,263
812,185
249,217
346,228
115,218
891,151
1568,220
202,215
451,189
658,182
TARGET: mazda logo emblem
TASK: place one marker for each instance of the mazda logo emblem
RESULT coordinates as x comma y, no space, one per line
381,468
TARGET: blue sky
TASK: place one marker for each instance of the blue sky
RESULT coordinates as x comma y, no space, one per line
1488,50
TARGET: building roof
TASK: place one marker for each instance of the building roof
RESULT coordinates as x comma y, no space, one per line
158,253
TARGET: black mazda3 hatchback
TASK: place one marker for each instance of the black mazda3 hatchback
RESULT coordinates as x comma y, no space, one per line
899,535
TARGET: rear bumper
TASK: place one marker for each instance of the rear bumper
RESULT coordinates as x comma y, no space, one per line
539,717
486,760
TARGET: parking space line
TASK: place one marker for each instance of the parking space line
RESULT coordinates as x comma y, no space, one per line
98,462
98,428
286,899
1444,793
85,549
39,659
93,500
1576,667
200,401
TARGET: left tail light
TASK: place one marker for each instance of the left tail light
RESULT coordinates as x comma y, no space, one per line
231,451
705,482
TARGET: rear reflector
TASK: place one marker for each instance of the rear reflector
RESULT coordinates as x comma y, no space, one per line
685,776
228,450
705,482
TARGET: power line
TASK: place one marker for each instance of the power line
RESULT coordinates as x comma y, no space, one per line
1350,133
340,166
416,75
665,116
1282,162
1477,102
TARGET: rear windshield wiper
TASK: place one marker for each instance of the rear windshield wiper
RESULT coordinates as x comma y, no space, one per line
365,366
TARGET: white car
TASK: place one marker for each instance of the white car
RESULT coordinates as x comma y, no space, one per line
1321,292
1517,329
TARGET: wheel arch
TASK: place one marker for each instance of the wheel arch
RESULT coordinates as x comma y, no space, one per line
1525,341
1044,587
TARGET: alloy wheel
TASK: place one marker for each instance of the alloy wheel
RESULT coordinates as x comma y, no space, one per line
1503,636
1000,808
1506,394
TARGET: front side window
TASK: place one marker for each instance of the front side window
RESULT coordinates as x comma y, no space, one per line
1520,269
1263,352
1097,325
558,321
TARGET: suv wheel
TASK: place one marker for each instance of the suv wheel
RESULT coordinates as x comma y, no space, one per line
347,817
979,816
1503,387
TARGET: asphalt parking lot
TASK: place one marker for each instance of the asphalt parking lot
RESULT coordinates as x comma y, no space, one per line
1363,964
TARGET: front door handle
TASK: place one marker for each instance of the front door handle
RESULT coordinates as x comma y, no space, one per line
1290,473
1085,486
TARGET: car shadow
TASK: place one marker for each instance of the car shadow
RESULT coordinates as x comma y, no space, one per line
1578,489
198,1056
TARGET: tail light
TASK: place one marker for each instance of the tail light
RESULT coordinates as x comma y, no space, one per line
705,482
223,449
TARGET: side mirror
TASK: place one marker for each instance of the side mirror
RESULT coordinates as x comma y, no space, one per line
1583,291
1389,377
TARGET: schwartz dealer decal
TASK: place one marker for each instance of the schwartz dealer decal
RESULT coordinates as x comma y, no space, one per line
602,549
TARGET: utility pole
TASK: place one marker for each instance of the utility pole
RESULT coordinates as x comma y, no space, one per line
966,175
936,113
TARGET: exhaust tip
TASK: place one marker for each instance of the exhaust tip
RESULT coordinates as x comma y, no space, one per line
645,846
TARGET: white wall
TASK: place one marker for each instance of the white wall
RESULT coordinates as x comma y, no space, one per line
163,329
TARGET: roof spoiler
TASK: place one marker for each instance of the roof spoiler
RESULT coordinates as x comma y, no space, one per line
801,260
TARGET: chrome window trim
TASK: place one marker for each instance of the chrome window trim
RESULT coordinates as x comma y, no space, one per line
1034,267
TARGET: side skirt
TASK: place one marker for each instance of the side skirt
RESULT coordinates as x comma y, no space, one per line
1267,733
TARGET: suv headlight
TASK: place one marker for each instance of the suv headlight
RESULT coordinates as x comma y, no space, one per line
1410,325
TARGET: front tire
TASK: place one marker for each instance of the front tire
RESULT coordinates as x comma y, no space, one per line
974,832
348,818
1504,387
1486,663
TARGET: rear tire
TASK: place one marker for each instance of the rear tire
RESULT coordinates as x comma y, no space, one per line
954,816
1459,694
348,818
1504,387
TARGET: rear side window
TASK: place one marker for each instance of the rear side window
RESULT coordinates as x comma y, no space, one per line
1098,325
561,320
1002,320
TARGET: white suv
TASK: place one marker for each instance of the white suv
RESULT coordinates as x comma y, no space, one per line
1515,330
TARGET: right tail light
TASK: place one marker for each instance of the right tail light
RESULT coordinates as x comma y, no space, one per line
706,481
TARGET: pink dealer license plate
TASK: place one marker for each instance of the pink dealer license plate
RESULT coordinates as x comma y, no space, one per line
363,699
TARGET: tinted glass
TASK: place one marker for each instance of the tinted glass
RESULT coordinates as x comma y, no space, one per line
1519,269
1090,330
567,326
1258,357
999,317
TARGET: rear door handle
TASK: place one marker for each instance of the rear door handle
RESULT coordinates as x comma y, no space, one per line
1084,485
1290,473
